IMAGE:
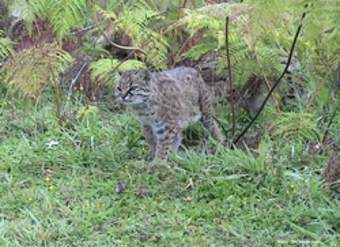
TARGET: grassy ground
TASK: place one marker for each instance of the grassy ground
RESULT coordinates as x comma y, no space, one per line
86,184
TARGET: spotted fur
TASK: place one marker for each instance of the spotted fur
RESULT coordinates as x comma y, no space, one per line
166,103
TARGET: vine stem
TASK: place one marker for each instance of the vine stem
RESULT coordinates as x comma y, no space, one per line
297,34
227,47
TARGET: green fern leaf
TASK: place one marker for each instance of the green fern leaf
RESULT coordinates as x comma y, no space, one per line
104,69
5,46
295,127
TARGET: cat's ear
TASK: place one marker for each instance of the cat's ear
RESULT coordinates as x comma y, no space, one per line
147,75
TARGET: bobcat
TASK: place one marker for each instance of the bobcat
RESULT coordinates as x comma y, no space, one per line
166,103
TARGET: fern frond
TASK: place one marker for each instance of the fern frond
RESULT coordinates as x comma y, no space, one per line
156,48
103,69
131,64
200,50
23,10
210,17
30,70
106,14
269,60
295,127
195,21
66,15
222,10
134,20
5,46
63,15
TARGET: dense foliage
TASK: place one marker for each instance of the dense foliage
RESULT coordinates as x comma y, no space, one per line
72,169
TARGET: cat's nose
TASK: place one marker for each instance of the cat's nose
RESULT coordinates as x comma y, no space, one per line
124,97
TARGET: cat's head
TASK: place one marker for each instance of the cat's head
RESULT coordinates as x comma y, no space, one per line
133,87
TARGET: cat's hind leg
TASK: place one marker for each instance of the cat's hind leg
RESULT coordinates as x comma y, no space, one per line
208,119
177,142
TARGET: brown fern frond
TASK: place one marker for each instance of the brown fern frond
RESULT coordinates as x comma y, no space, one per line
30,70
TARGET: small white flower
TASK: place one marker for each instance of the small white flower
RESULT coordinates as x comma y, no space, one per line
51,143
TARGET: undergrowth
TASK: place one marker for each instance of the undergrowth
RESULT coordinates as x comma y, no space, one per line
87,184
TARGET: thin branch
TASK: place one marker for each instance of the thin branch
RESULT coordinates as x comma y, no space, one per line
85,29
330,122
184,4
132,51
227,47
276,83
75,79
181,50
57,96
123,61
128,48
146,42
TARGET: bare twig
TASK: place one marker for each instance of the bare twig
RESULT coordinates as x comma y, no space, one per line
85,29
57,98
128,57
181,50
131,49
184,4
275,84
331,121
128,48
75,79
230,76
146,42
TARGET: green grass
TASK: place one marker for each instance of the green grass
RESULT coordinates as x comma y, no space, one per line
58,187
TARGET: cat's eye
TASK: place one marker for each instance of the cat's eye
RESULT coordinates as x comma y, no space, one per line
130,92
119,89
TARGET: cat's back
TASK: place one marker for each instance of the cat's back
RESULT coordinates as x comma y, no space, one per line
183,75
186,81
176,93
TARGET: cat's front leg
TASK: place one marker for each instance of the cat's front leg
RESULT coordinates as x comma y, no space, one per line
150,139
166,137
